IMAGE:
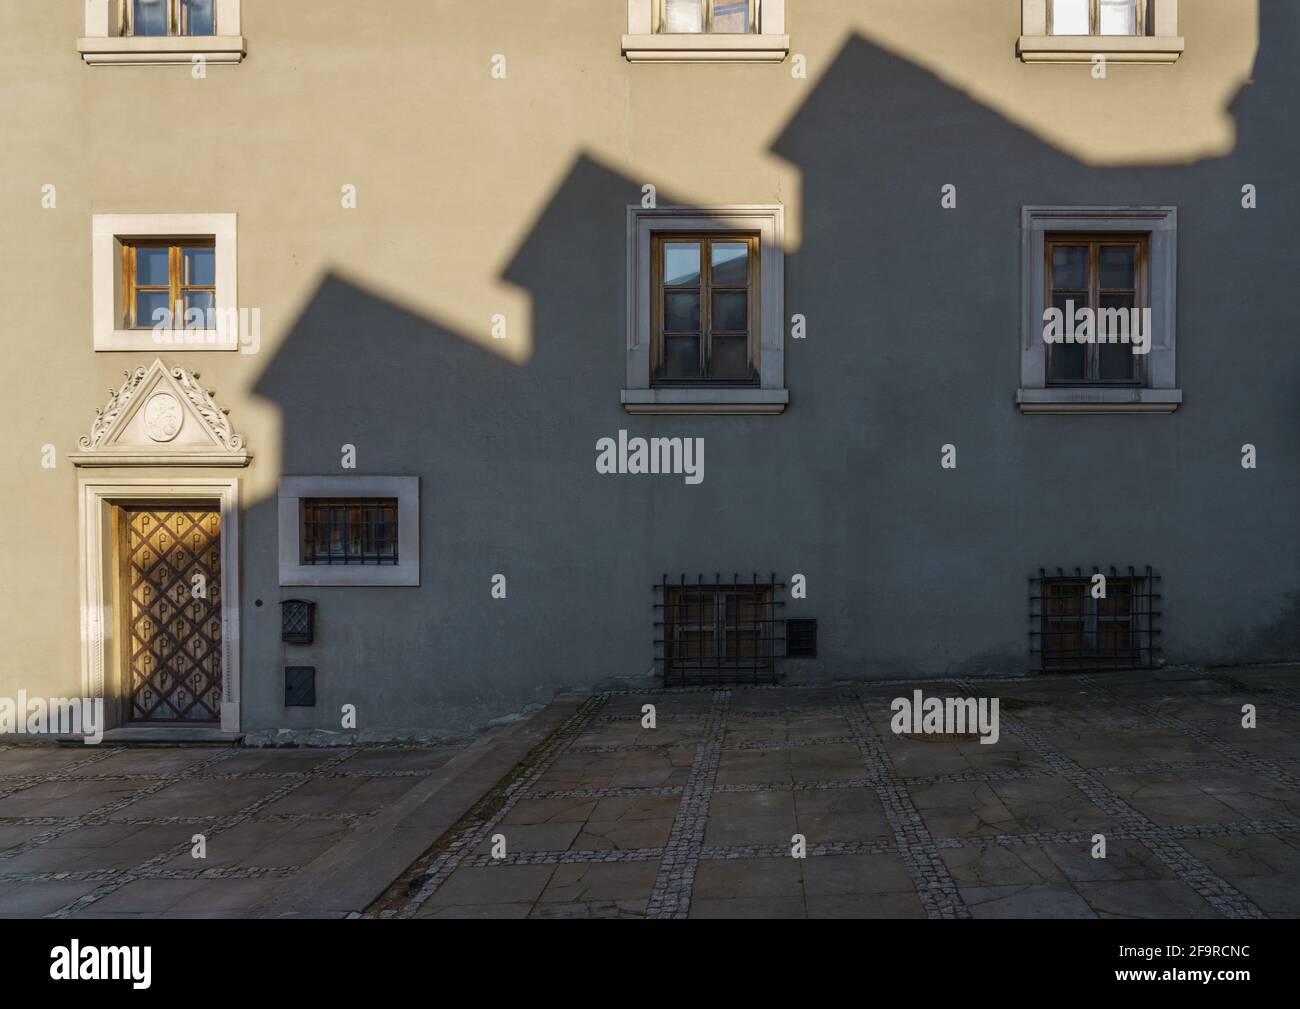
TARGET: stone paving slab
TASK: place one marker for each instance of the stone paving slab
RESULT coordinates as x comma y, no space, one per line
696,817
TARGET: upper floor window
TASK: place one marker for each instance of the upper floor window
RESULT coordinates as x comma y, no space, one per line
171,17
733,17
704,300
1097,17
1101,280
161,278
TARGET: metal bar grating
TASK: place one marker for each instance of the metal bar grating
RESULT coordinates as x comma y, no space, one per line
349,530
713,631
1072,630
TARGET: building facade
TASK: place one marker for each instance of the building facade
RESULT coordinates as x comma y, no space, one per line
391,367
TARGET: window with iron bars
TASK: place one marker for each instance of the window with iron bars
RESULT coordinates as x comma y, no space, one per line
1074,630
718,632
349,530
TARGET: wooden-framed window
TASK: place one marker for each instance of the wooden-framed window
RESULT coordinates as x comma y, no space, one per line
691,17
349,530
167,275
1103,273
705,304
171,17
1097,17
718,627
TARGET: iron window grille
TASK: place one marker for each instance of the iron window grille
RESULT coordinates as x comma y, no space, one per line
1070,631
297,621
717,632
349,530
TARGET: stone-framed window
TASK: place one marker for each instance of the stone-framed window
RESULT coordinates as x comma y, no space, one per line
1079,31
706,31
759,229
145,32
1151,386
116,241
380,515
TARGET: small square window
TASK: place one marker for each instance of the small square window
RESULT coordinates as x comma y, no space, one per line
169,282
349,530
357,530
719,633
706,31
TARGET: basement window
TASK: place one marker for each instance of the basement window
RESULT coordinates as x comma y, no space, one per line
718,632
1086,622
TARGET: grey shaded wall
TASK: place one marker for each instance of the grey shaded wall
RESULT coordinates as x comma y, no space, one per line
914,323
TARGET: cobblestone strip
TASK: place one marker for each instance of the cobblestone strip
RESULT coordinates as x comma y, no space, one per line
1143,834
1216,892
600,857
934,884
448,860
221,825
788,744
101,812
94,875
721,852
671,896
1241,757
798,786
627,792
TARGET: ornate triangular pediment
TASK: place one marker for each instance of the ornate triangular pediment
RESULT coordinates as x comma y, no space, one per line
161,417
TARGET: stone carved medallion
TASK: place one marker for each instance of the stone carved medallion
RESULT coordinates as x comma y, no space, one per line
163,417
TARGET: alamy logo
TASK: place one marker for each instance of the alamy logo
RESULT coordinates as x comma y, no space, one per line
57,716
683,456
1110,325
221,327
102,963
946,715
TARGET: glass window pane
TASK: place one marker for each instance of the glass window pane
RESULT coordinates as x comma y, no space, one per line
1116,361
146,304
730,357
730,16
204,301
1070,267
681,357
730,311
730,264
151,266
1118,263
1118,17
151,17
200,265
683,16
1070,17
682,264
681,311
197,17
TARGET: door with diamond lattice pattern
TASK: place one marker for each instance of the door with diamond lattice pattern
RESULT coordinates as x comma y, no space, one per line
171,572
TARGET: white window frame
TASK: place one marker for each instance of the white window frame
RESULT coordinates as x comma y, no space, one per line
107,233
642,44
406,489
770,396
1160,393
106,43
1160,45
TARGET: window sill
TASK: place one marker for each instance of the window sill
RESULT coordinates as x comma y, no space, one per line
349,575
706,48
704,401
1098,400
135,51
1157,49
168,341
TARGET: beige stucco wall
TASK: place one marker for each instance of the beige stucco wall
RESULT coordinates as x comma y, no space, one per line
452,169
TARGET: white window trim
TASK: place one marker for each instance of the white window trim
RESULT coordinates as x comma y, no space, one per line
107,232
1160,394
1163,45
641,44
104,44
770,396
407,491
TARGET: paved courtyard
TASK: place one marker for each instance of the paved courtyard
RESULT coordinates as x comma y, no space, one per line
695,817
592,815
